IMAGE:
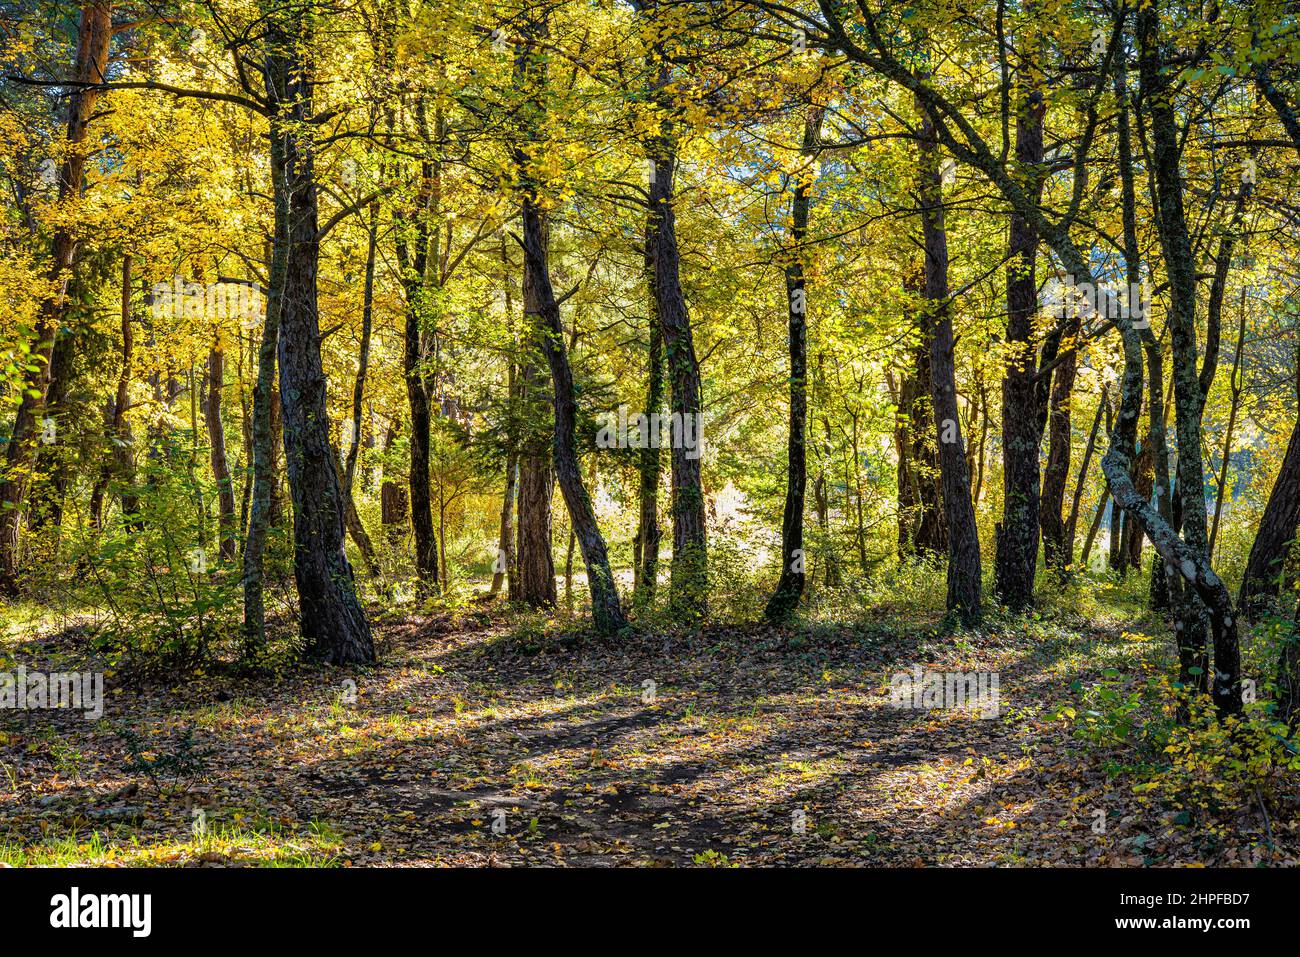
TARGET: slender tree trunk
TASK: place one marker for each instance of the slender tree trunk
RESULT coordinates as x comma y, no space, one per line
415,268
1236,387
789,588
964,585
227,534
265,441
648,533
1057,550
1189,397
606,611
94,36
923,529
505,561
392,501
1072,522
122,458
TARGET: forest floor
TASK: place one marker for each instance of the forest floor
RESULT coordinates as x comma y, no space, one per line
477,741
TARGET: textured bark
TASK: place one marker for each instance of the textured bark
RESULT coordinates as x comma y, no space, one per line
964,585
330,615
789,588
1189,398
94,36
922,528
1277,527
606,611
649,534
227,534
265,440
1072,522
1276,532
1017,538
413,255
689,578
1057,549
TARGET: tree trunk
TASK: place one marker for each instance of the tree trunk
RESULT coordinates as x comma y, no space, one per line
1276,532
415,274
1057,551
1072,522
1017,541
964,585
649,534
122,459
1189,397
789,588
689,576
505,561
227,534
392,502
94,36
543,312
330,615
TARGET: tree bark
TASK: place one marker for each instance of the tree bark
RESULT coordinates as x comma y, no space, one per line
1276,532
1017,540
415,274
689,574
790,586
330,615
1057,550
649,534
964,585
227,534
94,36
606,611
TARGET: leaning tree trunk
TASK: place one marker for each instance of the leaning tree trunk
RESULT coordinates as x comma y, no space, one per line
94,35
1276,532
542,313
789,588
1071,524
964,585
330,615
606,611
